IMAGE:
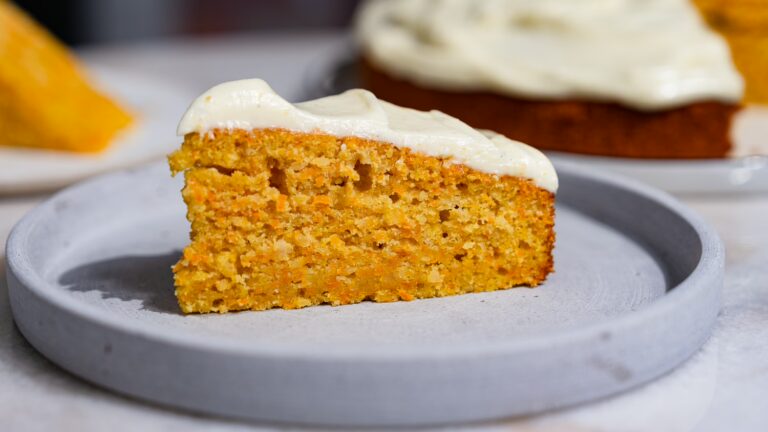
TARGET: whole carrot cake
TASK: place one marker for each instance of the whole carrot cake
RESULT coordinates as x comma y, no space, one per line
349,198
46,100
645,79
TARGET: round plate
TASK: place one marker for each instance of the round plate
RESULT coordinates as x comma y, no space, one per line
157,107
744,172
634,294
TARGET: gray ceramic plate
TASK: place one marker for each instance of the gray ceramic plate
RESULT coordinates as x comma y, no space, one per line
635,293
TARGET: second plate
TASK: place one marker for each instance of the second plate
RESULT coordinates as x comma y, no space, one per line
157,106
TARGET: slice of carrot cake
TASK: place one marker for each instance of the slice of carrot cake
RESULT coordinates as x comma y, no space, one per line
349,198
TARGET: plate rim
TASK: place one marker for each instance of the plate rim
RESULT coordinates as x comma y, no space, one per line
756,164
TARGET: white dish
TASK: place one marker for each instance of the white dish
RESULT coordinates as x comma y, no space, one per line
635,292
157,105
738,174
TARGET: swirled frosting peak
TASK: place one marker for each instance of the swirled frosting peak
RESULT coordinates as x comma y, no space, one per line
646,54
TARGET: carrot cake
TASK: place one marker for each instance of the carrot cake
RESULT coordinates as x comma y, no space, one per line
349,198
645,79
46,100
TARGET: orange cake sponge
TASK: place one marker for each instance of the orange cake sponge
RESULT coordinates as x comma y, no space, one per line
301,213
45,100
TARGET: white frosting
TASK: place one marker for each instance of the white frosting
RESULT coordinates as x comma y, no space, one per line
646,54
252,104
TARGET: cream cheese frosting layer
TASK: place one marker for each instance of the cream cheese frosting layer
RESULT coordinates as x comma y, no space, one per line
645,54
252,104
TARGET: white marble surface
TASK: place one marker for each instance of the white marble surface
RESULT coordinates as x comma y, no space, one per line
722,388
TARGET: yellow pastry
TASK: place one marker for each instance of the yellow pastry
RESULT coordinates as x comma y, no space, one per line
46,100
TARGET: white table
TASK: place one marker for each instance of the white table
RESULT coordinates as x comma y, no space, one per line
722,388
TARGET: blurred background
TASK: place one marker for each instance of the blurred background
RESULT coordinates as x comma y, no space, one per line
83,22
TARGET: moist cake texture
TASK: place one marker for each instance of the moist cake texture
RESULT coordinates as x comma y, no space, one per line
297,216
46,100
